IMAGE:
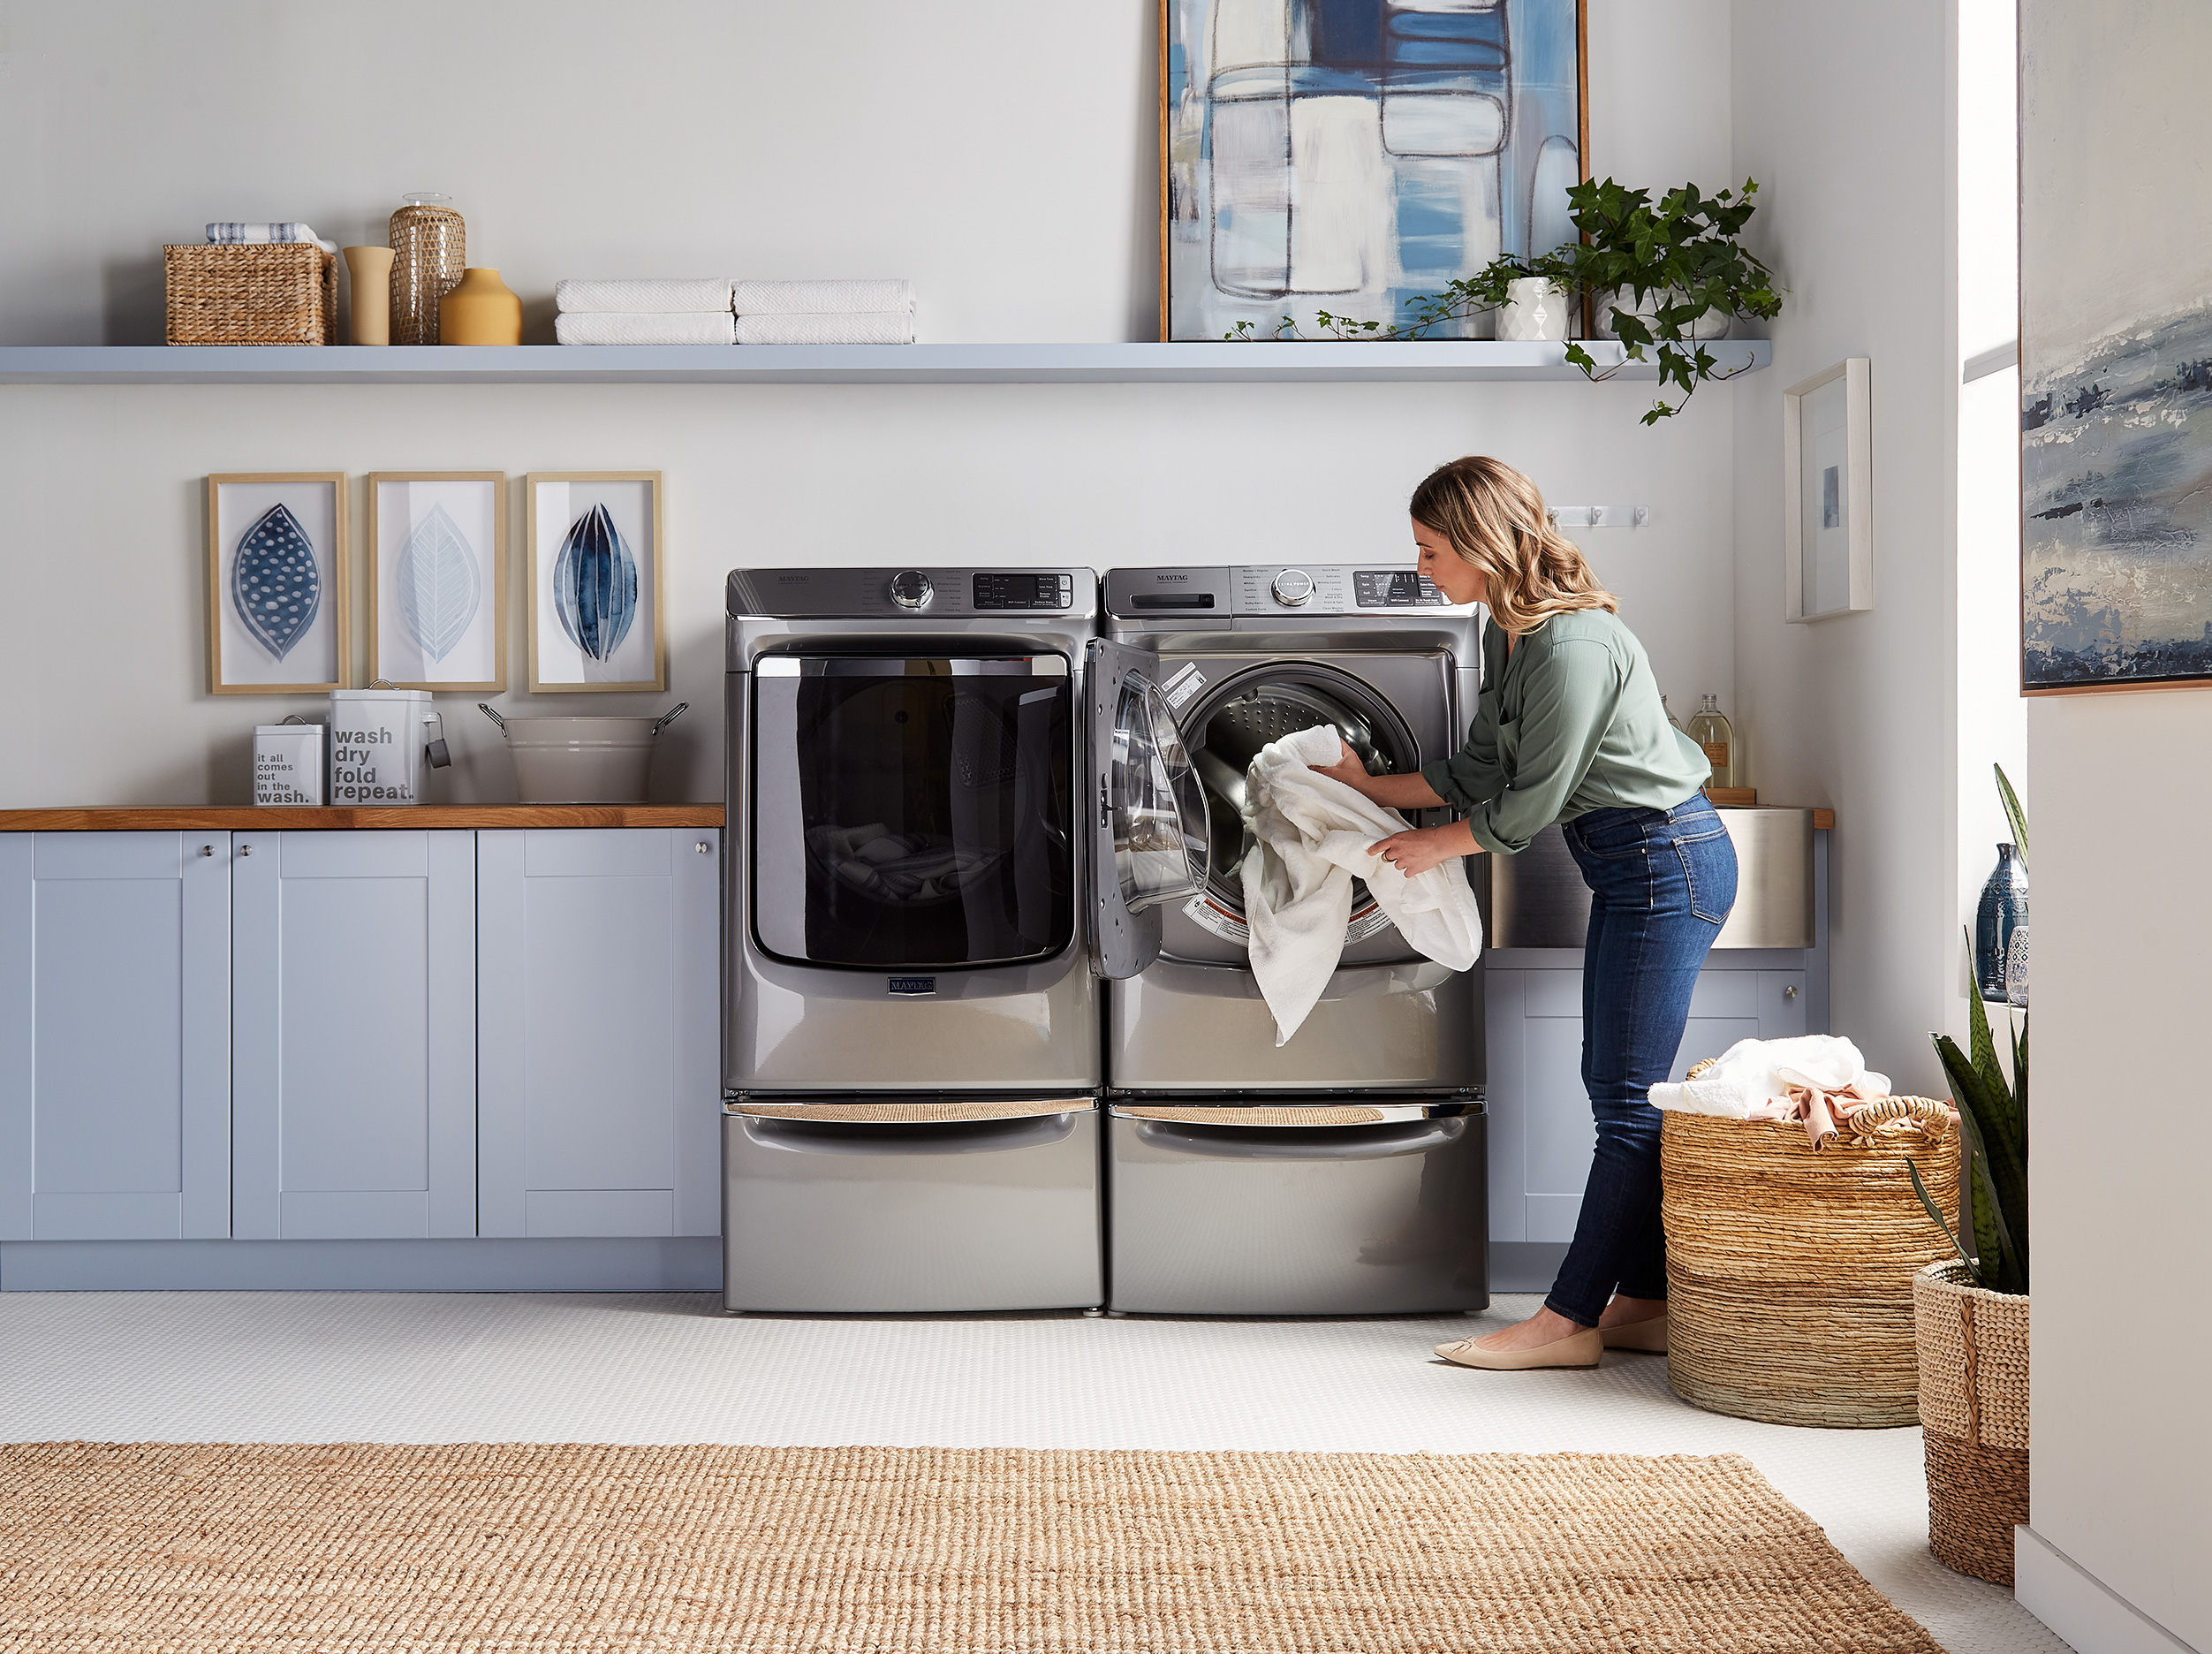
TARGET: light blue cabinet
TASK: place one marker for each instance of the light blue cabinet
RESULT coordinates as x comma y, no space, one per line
115,983
1541,1137
353,1034
597,1084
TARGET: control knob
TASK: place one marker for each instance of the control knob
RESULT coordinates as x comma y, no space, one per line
912,589
1293,588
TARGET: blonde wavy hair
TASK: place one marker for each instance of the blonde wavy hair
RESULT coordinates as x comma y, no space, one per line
1495,518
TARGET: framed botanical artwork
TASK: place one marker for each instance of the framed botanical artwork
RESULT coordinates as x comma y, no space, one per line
279,621
1828,490
597,614
437,579
1348,156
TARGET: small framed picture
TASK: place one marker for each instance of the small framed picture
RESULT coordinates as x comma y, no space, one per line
279,619
1827,488
595,606
437,579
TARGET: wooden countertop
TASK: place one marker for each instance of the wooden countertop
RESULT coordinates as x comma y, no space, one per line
1747,798
230,818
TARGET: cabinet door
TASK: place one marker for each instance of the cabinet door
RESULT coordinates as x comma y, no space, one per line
598,996
353,1034
115,987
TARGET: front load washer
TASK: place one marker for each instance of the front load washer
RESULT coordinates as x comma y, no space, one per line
1377,1187
952,812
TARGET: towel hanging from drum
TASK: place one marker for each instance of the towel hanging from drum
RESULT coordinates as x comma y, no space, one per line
1310,835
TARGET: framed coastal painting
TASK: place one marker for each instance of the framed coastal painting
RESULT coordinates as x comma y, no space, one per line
1349,155
279,621
437,580
2115,371
597,612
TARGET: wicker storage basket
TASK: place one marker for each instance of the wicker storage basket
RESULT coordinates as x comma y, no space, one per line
1974,1418
261,293
1790,1272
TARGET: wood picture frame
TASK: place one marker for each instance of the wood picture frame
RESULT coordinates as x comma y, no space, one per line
607,651
1828,515
1164,140
477,635
269,614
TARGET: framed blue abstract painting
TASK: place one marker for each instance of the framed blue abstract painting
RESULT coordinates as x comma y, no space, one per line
437,580
1348,156
595,607
277,608
2115,375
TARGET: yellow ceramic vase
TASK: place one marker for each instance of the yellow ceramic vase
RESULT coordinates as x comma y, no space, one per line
480,309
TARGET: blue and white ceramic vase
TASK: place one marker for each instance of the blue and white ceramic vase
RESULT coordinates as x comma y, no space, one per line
2002,909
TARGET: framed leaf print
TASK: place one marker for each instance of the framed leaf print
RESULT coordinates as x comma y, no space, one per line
279,621
595,602
437,579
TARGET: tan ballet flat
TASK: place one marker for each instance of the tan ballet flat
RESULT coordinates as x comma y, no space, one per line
1649,1335
1585,1349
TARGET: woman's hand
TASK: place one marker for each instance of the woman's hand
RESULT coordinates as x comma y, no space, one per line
1418,849
1348,768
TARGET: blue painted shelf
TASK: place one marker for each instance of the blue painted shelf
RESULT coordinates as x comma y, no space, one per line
1261,363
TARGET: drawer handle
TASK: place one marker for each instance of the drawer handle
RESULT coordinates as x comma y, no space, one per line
1789,991
207,850
245,850
703,847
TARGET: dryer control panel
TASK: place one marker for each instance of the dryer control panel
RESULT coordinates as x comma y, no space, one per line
1269,588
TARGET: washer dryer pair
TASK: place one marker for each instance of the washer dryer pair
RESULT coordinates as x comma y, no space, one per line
991,1040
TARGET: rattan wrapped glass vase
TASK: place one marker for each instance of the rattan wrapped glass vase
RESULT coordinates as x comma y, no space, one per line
1790,1269
428,247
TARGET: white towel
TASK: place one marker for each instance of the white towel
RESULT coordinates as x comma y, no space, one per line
669,293
879,327
665,327
1751,1074
229,233
1312,834
821,298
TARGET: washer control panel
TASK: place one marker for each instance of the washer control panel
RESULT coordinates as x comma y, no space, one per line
1284,590
1045,590
1395,589
1293,588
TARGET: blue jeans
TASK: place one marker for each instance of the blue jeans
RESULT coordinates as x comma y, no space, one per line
1661,884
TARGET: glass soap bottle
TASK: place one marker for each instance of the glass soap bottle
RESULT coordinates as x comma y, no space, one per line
1711,731
428,244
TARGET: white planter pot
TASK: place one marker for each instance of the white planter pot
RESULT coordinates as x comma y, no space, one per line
1533,309
1714,324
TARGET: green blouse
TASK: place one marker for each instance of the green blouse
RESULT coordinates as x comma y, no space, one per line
1570,722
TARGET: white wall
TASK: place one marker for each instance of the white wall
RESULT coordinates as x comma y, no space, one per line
1843,113
1000,153
2123,1447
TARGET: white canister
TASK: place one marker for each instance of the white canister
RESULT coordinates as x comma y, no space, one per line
288,765
377,745
1534,309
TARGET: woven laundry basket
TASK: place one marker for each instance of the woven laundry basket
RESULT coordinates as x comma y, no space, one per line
1790,1272
258,292
1974,1418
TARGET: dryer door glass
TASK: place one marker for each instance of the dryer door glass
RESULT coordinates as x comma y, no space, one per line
912,813
1159,807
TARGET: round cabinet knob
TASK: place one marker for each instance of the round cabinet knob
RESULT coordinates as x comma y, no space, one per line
1293,588
912,589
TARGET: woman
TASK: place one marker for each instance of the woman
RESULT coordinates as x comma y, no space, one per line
1570,730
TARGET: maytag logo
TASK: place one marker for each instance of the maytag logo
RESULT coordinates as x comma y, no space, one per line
913,984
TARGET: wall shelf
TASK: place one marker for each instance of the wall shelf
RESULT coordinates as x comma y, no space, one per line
1264,363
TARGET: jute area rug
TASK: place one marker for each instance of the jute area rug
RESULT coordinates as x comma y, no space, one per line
332,1549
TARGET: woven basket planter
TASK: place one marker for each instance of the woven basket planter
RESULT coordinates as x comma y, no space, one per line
261,293
1974,1418
1790,1272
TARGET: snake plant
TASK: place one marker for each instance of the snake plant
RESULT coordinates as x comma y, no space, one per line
1993,1118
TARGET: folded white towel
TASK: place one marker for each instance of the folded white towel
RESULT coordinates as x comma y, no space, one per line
655,326
1312,834
880,327
701,292
819,298
1752,1073
227,232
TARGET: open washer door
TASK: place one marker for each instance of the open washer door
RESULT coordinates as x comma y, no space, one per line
1148,828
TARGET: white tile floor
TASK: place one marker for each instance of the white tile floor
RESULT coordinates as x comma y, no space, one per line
669,1368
